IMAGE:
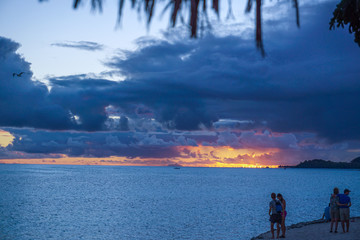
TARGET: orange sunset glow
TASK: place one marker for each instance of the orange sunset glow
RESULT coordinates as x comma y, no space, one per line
200,156
225,156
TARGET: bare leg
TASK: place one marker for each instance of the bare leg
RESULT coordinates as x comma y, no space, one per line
283,227
331,224
347,225
272,230
336,224
343,225
277,230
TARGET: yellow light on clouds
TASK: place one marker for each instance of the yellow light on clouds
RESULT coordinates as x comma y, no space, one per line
5,138
190,156
225,156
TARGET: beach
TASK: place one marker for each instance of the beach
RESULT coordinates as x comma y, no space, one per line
318,229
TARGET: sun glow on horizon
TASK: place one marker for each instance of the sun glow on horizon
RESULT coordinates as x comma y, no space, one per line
189,156
115,161
226,156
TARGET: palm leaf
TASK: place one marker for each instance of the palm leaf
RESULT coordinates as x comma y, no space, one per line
296,6
194,17
149,6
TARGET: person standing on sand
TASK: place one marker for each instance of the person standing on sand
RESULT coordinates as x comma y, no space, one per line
334,209
283,214
344,206
275,208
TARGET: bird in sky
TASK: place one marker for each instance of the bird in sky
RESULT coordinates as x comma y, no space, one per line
18,74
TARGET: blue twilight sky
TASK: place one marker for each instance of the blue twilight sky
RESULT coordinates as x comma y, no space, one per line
155,97
40,27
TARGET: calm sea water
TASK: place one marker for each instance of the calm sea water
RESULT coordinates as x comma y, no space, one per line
106,202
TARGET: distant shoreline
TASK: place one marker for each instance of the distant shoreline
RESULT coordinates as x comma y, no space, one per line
116,165
266,235
319,163
338,168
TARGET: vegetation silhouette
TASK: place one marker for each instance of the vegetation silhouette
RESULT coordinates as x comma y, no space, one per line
347,12
320,163
148,7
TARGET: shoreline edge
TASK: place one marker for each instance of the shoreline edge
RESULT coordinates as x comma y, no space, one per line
300,225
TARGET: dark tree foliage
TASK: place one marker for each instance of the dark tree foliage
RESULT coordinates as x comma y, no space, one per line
347,12
194,5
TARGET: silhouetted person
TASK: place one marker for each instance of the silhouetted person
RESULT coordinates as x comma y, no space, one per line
275,209
344,206
334,209
326,214
283,214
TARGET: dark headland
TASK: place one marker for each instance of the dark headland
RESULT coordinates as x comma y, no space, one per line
319,163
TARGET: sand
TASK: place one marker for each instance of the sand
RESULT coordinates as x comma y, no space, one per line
318,229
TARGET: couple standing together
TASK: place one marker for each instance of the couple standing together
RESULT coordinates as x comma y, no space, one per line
277,212
339,209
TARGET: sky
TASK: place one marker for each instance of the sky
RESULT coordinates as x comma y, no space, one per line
101,93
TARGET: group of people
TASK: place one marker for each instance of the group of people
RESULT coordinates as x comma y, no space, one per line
277,213
339,209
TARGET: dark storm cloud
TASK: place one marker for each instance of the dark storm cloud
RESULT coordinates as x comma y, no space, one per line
82,45
309,82
83,97
31,143
39,143
24,102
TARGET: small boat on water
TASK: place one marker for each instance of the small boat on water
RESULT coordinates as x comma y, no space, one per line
176,167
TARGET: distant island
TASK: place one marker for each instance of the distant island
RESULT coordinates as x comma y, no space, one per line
175,165
319,163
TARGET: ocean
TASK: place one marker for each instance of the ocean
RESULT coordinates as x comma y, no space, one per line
118,202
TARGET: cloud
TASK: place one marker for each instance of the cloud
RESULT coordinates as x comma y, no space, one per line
5,138
24,102
42,143
267,139
302,97
299,87
304,85
82,45
92,144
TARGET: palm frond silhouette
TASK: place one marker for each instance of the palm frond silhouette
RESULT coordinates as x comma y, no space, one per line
148,7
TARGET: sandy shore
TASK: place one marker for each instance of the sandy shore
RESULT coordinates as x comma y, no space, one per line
318,229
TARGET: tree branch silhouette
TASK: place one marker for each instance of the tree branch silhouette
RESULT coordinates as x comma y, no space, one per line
347,12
